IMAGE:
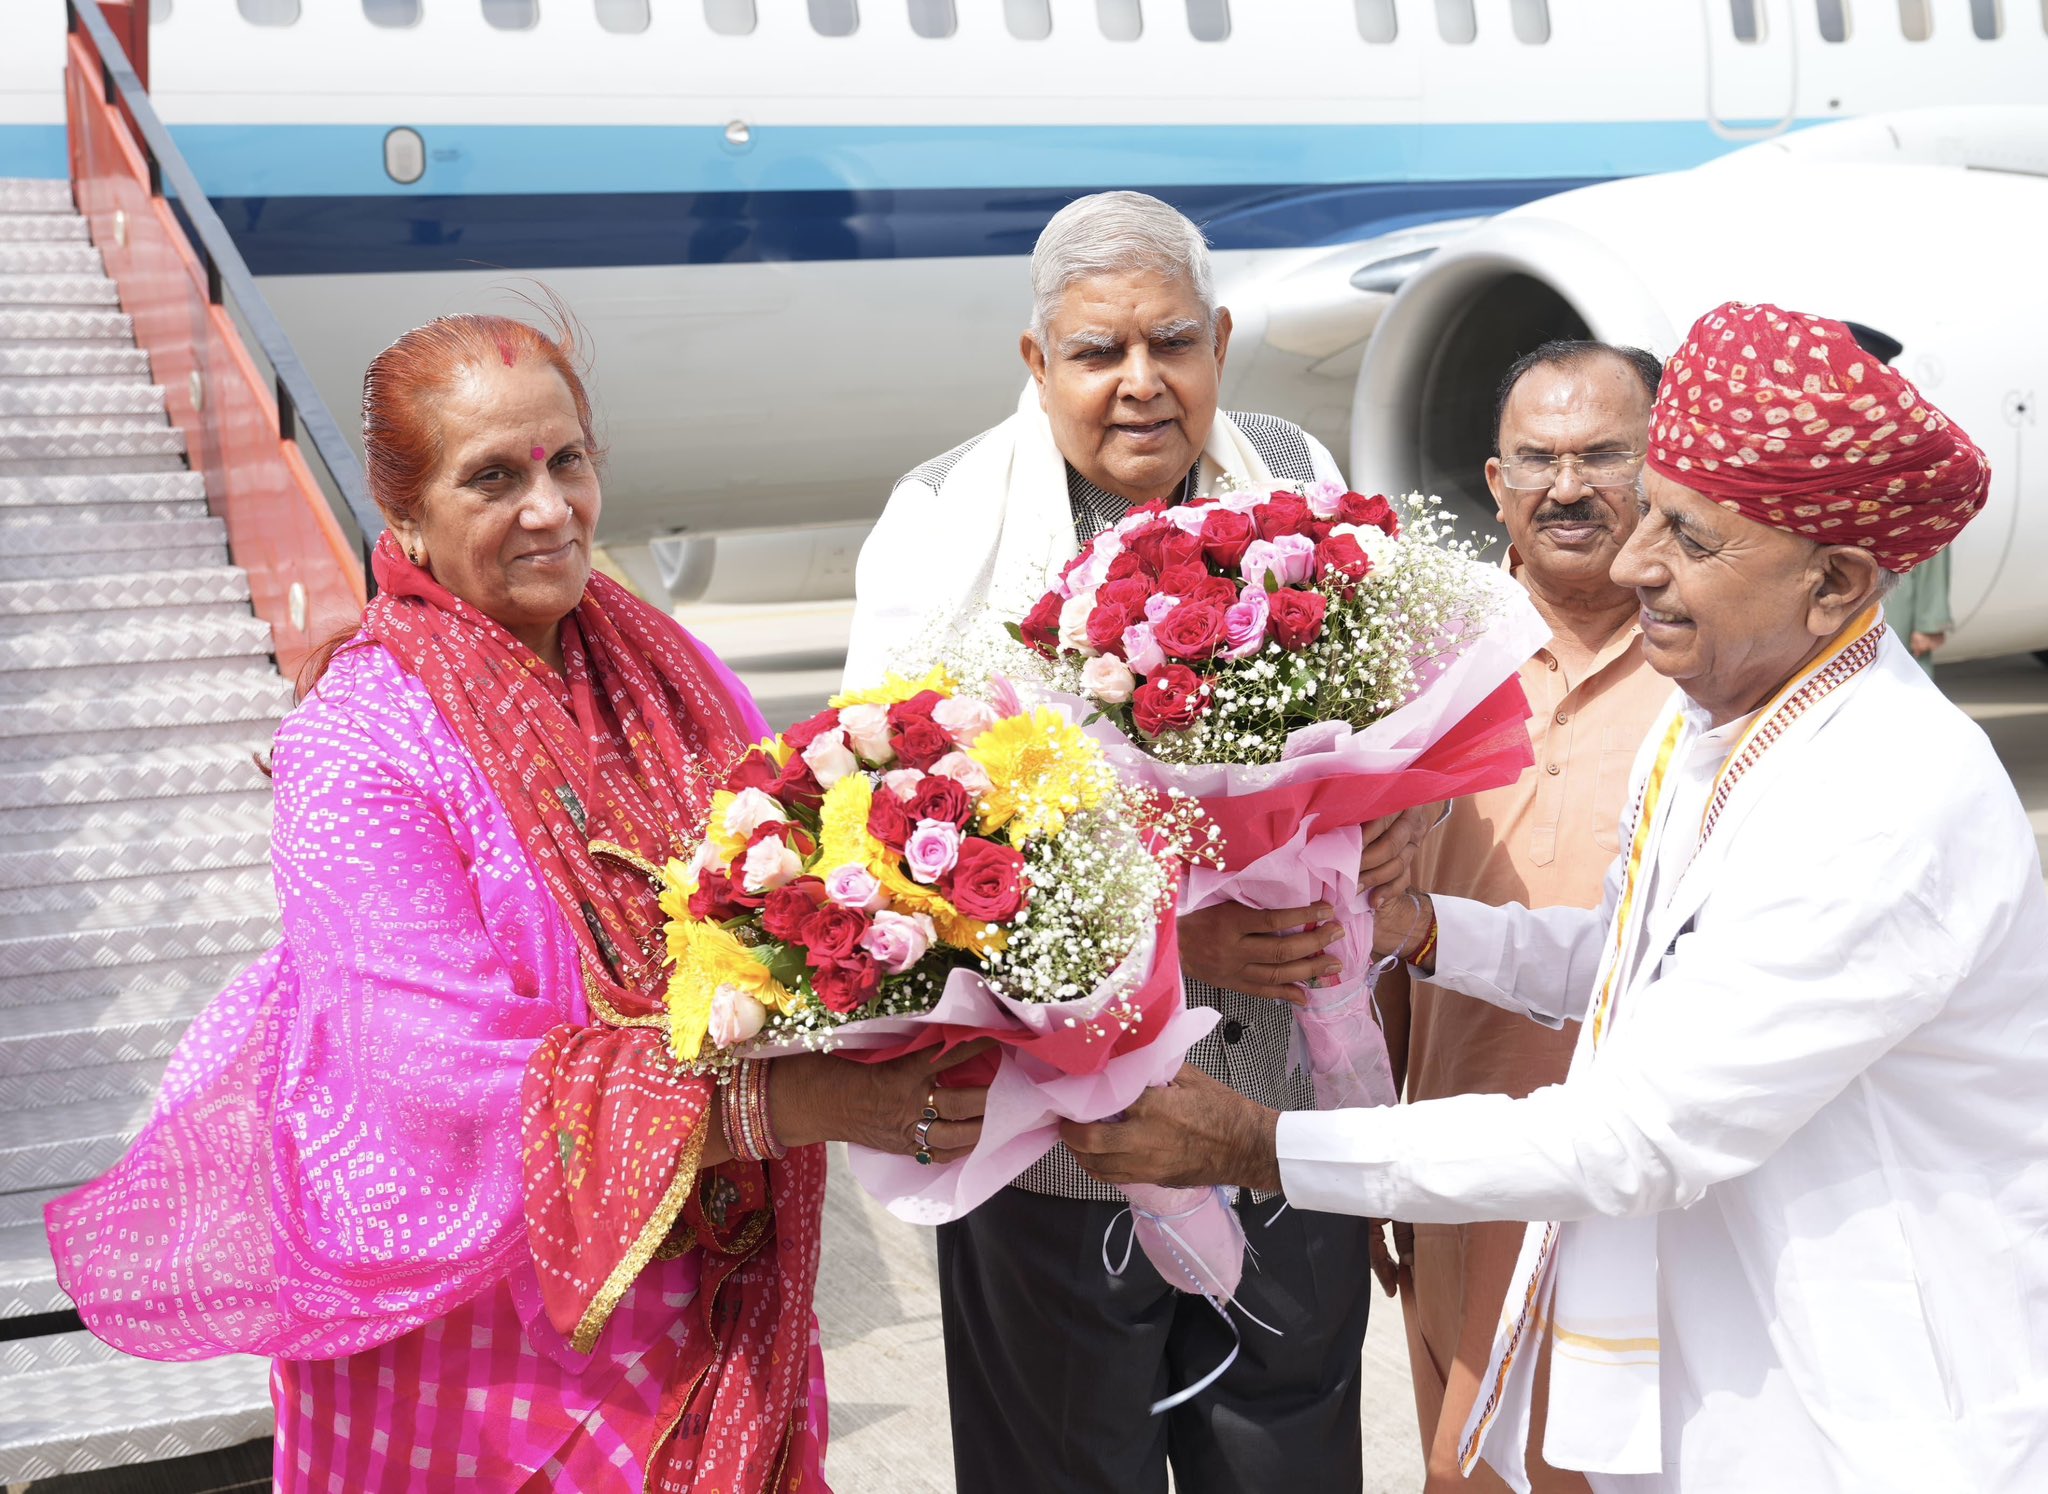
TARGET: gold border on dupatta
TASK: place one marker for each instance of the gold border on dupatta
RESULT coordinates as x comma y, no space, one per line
644,1245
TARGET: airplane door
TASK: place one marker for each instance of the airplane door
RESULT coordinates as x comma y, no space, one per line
1751,66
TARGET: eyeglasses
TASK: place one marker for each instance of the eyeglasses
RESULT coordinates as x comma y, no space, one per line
1596,469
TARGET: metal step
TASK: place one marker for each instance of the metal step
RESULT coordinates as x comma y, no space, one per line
56,655
142,814
121,855
42,1089
65,1144
100,444
204,974
118,544
28,1280
64,326
73,291
50,259
90,563
114,778
114,935
99,360
96,397
228,707
57,1036
94,601
64,1391
99,490
43,228
35,194
201,888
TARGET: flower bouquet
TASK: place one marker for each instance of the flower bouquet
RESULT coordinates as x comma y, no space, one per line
918,866
1301,663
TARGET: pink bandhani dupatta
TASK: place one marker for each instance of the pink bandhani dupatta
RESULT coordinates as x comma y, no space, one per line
604,771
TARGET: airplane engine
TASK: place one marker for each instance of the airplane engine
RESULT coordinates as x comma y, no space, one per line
1927,226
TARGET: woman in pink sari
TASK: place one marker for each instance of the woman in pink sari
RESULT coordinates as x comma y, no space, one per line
431,1153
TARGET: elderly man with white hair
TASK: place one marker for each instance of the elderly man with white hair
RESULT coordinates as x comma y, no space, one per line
1790,1205
1052,1362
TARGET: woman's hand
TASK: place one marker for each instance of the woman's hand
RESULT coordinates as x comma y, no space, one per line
1259,951
1401,925
817,1097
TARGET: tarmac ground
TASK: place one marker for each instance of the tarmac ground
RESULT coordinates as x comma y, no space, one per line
878,1295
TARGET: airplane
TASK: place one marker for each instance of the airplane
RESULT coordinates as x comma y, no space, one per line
794,233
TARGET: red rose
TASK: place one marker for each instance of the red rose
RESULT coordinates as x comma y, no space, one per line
1216,589
756,770
832,933
1161,545
987,882
810,729
1225,536
937,798
919,741
1283,513
1127,567
1106,626
1341,553
797,785
1170,700
917,708
847,985
1297,617
717,897
1181,578
888,820
1041,625
1354,508
1130,594
784,910
1318,529
1193,630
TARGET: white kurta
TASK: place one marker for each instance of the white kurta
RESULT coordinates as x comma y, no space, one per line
1828,1080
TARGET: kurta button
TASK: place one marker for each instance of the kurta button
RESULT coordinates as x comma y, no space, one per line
1552,663
1551,768
1562,718
1233,1031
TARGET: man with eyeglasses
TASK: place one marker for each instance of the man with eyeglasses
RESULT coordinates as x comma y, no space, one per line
1571,419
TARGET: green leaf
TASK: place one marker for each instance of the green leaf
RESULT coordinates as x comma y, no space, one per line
1016,633
783,961
1272,582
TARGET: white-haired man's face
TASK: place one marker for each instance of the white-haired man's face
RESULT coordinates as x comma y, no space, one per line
1128,376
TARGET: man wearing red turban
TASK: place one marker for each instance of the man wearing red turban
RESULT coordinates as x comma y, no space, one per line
1791,1203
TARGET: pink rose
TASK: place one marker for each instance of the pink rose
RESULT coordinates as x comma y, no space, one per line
1244,624
933,847
1074,621
898,940
968,773
903,782
1109,679
829,758
1290,560
867,732
1141,649
855,887
1157,606
735,1017
749,811
768,864
1325,499
963,718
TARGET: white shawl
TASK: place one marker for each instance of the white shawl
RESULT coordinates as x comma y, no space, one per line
992,538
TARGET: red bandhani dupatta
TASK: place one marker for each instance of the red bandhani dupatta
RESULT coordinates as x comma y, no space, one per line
605,771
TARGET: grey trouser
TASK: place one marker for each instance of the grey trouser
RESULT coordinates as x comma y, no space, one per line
1052,1364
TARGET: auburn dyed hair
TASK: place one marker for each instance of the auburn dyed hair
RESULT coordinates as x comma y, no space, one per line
402,392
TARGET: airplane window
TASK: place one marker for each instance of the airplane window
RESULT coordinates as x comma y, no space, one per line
1455,22
933,18
1119,20
834,17
1985,19
1531,19
1916,19
1209,20
1028,20
623,16
1834,19
511,15
1376,22
1748,19
729,17
268,12
392,13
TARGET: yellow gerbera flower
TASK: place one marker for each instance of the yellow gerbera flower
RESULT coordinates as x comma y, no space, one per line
1041,768
707,957
895,689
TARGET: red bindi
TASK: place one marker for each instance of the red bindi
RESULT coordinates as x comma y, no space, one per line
540,454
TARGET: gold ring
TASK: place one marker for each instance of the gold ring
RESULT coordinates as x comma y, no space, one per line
931,1106
924,1158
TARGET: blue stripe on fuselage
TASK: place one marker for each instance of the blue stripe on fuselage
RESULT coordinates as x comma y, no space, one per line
33,150
384,235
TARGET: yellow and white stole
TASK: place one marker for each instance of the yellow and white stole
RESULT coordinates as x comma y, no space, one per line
1601,1316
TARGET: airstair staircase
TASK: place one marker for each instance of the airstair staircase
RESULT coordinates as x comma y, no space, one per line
136,687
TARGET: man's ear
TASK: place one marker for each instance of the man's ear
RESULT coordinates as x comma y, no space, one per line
1495,486
1034,359
1848,581
1222,336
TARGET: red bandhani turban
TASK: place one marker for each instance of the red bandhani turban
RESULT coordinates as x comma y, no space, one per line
1783,418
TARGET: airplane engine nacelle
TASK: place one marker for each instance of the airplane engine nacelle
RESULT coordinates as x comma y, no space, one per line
1927,226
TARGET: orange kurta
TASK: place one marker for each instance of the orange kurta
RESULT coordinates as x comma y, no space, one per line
1545,839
